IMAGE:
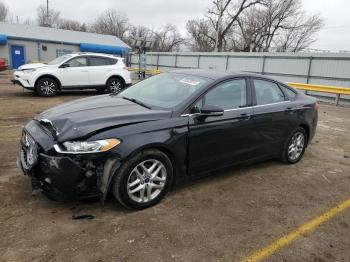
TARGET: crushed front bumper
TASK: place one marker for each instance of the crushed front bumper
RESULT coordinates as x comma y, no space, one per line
63,177
60,178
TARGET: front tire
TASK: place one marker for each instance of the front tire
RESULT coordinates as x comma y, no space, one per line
295,146
143,180
47,87
114,85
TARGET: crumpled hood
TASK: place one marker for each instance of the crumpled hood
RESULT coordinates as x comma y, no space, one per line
79,118
31,66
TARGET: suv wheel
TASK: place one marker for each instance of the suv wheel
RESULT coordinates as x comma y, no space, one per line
114,85
143,180
295,146
47,87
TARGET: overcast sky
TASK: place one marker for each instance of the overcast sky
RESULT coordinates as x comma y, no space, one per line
153,13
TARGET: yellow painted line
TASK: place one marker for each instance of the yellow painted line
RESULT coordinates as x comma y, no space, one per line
267,251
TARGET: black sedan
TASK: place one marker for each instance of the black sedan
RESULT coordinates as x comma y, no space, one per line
165,129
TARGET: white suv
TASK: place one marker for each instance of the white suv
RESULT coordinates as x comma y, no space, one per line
75,71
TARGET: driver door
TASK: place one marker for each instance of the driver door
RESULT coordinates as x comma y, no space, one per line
219,141
76,73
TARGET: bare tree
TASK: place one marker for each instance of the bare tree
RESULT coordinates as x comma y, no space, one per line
257,26
71,25
139,31
279,24
47,17
250,32
223,16
278,15
112,22
202,36
298,35
167,39
4,12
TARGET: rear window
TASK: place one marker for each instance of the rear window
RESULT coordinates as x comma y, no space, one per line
112,61
102,61
98,61
267,92
290,92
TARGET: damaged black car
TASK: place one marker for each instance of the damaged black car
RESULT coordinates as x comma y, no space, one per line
162,130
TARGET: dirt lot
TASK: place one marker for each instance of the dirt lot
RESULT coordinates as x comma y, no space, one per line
221,218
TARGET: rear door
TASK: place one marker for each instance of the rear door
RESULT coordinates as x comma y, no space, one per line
219,141
76,74
99,69
271,113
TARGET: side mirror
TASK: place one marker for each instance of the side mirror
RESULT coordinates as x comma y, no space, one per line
209,110
64,65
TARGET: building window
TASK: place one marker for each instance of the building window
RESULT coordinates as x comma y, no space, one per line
44,48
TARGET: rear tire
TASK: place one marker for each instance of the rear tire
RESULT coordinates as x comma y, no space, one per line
114,85
295,146
47,87
143,180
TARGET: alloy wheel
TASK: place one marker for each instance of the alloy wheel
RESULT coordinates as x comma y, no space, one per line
296,146
115,87
146,181
48,88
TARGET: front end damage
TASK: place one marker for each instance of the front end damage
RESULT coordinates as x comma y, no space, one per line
63,177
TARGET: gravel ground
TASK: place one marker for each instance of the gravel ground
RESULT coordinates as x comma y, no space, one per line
220,218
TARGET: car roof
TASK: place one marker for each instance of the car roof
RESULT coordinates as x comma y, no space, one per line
94,54
216,74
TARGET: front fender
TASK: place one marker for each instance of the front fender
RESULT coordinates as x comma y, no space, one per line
40,74
170,137
104,180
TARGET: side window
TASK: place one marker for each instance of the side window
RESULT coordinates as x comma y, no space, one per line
267,92
291,93
228,95
197,106
112,61
78,62
98,61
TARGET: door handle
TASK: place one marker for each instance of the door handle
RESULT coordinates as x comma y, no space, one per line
289,110
245,116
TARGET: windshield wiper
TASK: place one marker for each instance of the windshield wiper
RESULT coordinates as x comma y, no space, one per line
137,102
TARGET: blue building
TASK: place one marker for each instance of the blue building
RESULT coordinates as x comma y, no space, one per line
20,44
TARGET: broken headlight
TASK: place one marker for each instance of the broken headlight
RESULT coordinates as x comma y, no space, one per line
84,147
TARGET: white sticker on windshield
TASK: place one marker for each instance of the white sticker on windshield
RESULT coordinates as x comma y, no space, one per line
189,82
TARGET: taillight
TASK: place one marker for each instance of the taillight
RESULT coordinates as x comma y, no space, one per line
316,106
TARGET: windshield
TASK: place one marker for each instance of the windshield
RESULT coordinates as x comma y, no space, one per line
166,90
59,60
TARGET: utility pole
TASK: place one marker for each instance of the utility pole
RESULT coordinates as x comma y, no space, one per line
47,12
219,27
